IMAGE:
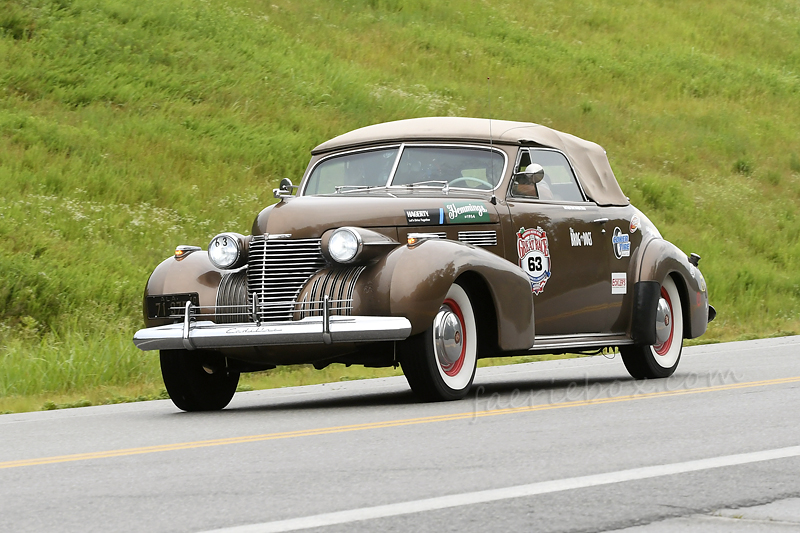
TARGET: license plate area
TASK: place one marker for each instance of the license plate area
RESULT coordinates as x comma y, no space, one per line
170,305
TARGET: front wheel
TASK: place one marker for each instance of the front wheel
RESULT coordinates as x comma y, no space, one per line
197,380
440,362
661,359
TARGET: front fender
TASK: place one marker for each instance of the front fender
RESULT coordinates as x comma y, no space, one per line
660,259
413,282
193,273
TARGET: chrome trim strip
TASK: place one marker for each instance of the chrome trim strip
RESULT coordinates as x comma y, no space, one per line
207,335
586,340
427,235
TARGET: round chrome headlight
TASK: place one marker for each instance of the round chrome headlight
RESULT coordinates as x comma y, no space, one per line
344,245
226,250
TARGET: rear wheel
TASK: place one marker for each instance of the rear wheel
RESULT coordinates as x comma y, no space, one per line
661,359
440,363
198,380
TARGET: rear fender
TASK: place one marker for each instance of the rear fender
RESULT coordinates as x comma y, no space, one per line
660,259
413,282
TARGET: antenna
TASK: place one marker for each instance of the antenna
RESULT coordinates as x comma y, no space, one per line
491,145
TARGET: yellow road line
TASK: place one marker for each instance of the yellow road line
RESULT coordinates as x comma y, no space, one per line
386,424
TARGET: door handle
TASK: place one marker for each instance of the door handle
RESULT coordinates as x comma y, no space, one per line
600,221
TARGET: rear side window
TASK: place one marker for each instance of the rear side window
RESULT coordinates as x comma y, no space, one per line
559,183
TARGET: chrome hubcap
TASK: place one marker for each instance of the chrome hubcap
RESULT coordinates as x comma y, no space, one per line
663,322
448,337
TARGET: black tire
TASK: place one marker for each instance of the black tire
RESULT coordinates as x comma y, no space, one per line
440,363
197,380
661,360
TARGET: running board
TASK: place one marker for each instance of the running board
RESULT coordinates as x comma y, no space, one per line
587,341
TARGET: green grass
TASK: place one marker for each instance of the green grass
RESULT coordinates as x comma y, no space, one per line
128,128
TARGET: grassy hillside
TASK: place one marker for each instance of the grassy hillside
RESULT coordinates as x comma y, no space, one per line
129,127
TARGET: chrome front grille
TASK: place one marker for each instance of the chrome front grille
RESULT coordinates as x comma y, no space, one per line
276,271
478,238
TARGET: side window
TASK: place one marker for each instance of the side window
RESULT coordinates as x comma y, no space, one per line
559,182
558,176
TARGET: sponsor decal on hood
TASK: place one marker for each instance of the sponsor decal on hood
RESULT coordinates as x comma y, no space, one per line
466,212
425,217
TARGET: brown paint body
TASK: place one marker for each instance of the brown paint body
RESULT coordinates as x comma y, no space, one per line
412,282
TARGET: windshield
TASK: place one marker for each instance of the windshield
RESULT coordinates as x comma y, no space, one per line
461,167
357,170
467,168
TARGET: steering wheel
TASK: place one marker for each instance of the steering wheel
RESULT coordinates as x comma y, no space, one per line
470,178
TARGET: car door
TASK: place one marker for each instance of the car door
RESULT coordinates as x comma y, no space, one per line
559,241
621,240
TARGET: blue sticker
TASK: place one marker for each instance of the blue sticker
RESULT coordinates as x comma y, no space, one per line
621,243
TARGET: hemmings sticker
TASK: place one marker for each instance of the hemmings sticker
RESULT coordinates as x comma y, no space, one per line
466,213
580,238
425,217
622,244
619,283
534,256
635,224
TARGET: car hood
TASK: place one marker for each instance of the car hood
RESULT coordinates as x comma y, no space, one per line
310,216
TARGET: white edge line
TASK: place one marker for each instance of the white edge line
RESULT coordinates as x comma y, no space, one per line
485,496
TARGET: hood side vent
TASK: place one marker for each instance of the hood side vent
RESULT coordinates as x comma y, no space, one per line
478,238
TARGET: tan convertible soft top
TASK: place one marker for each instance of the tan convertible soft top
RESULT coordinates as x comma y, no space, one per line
588,159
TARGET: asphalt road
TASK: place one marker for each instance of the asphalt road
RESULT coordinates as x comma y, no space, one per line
572,445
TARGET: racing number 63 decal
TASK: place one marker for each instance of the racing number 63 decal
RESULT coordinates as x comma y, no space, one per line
534,256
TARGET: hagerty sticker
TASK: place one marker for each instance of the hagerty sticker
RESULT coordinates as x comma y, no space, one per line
534,256
424,217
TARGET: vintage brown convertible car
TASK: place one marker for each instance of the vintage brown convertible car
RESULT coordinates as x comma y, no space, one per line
428,243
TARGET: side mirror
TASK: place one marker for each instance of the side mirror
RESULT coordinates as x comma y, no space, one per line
284,189
533,173
286,185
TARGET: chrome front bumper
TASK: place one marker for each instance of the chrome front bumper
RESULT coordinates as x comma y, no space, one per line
326,329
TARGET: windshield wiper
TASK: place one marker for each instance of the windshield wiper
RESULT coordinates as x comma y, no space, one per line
429,183
351,188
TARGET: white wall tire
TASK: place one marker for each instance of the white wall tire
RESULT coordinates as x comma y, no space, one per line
661,359
440,363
